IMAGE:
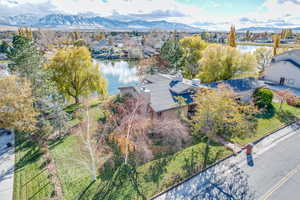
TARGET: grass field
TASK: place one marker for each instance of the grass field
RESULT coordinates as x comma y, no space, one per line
30,178
271,121
75,179
154,176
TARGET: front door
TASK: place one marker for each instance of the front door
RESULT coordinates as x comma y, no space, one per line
282,80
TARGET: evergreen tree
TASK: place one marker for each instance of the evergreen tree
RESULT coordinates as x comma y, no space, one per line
172,53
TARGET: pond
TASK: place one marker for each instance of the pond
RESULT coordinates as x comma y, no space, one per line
249,48
119,73
123,73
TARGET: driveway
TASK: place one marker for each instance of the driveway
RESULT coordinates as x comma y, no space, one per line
7,161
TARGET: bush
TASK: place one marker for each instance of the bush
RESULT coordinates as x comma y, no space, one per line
293,101
263,98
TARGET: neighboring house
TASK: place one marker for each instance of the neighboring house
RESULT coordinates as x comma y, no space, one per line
285,69
243,88
163,92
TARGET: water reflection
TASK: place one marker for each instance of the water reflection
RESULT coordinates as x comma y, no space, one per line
119,74
248,48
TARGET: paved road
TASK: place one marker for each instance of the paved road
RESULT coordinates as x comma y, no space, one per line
276,172
7,161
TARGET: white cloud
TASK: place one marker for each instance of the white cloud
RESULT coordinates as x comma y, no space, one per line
271,12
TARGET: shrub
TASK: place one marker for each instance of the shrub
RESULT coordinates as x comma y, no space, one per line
293,101
263,98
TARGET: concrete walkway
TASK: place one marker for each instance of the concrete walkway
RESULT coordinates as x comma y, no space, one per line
7,162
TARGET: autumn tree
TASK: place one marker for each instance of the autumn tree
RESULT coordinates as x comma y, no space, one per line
192,50
232,37
283,96
28,62
99,36
75,74
263,57
218,113
248,35
285,33
276,43
223,62
16,104
25,32
172,53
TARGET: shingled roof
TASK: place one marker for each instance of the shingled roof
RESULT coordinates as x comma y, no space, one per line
292,56
164,91
238,85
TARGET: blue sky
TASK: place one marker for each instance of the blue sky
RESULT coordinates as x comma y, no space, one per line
211,14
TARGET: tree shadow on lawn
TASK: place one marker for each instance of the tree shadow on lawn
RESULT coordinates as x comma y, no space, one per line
286,116
30,157
53,143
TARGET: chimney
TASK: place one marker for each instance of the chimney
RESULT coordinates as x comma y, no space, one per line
146,94
196,82
178,77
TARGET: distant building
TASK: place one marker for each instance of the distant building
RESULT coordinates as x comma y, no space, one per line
284,69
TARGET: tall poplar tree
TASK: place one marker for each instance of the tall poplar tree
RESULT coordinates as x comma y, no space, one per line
232,37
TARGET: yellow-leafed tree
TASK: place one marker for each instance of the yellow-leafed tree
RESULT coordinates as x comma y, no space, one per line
232,37
16,104
276,43
218,113
221,62
192,48
75,74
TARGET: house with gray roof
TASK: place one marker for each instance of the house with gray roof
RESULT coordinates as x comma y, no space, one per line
163,93
284,69
169,96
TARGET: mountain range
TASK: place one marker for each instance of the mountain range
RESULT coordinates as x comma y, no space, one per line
88,22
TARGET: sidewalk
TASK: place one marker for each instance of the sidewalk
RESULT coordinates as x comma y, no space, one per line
7,161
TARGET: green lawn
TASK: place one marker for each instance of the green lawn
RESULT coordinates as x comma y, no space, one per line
271,122
75,179
154,176
30,178
4,61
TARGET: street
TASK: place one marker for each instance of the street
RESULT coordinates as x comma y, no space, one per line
276,172
7,161
272,172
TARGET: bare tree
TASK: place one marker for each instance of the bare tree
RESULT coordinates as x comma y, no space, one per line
283,96
91,154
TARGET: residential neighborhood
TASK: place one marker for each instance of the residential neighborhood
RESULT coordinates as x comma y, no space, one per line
158,100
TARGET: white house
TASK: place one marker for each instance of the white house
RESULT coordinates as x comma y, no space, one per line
285,69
